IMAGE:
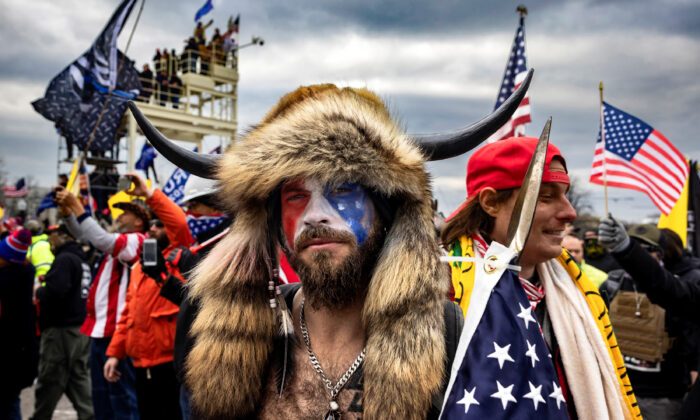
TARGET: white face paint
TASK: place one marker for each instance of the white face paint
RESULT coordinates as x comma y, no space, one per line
306,204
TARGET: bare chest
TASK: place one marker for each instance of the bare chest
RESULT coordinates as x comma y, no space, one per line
306,396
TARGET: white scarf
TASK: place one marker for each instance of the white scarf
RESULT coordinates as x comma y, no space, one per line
589,372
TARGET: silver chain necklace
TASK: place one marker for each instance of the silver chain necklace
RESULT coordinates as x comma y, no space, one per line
333,413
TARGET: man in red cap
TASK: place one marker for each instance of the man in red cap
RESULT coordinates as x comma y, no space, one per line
566,305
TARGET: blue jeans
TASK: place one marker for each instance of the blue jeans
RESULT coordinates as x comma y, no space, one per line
111,401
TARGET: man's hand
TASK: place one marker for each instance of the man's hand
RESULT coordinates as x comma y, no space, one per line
612,235
183,259
68,202
158,272
140,187
110,370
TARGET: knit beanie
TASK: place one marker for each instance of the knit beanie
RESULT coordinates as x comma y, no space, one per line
14,247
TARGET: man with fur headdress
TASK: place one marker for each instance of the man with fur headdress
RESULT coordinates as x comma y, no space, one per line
329,179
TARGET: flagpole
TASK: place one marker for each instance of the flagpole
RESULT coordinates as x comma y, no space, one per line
111,88
602,137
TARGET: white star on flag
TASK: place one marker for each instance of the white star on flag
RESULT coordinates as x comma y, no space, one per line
468,400
535,395
526,315
557,395
501,353
505,394
531,353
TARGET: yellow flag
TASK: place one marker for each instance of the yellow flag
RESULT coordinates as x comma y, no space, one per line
677,219
73,184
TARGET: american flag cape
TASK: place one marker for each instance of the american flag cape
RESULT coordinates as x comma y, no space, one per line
503,368
638,157
76,96
515,73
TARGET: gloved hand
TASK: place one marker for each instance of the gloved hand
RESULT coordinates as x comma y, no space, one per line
184,260
613,235
158,272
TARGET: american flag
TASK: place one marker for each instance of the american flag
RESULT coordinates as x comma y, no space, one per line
515,73
199,223
503,368
17,190
640,158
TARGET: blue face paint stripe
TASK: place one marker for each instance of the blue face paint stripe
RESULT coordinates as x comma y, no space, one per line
350,200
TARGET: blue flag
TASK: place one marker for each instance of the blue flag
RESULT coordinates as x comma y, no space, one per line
175,186
503,368
148,154
46,203
203,10
76,96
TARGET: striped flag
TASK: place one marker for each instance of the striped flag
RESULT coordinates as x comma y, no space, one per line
15,191
515,73
640,158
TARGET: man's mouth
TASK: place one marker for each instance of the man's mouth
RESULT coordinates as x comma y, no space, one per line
558,233
321,243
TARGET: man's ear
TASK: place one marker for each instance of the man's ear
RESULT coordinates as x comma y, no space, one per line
487,199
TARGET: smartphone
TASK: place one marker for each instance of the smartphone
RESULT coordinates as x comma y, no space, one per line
124,183
150,252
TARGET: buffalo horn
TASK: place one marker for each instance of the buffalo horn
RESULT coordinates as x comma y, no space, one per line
198,164
440,146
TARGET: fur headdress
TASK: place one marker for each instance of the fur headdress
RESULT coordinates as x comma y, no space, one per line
335,136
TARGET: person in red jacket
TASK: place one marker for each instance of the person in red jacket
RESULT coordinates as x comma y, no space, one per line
146,329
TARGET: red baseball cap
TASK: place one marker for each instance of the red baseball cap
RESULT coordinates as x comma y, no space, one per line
502,165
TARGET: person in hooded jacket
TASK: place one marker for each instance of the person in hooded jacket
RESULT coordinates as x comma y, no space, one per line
63,351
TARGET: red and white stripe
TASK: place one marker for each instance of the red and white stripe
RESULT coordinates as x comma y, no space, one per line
516,124
657,169
534,293
107,296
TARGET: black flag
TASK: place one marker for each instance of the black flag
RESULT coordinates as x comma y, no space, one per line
75,98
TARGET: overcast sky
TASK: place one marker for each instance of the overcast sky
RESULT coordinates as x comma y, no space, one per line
438,64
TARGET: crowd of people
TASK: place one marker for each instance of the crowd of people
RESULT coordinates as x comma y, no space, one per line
163,83
315,249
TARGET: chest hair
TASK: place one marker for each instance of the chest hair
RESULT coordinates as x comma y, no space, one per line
306,396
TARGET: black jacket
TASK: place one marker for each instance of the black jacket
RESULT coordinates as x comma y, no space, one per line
19,348
662,285
62,298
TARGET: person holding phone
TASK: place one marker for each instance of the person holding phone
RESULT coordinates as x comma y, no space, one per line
146,329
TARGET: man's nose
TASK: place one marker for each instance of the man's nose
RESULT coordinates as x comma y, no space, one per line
318,211
567,211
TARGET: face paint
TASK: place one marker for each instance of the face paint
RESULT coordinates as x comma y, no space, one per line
344,208
350,201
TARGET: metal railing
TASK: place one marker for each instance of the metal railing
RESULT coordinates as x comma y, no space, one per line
158,90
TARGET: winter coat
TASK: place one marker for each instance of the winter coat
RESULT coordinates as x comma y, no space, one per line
146,329
65,289
39,254
19,347
662,286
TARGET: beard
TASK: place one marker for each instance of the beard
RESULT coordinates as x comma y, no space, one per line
329,285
